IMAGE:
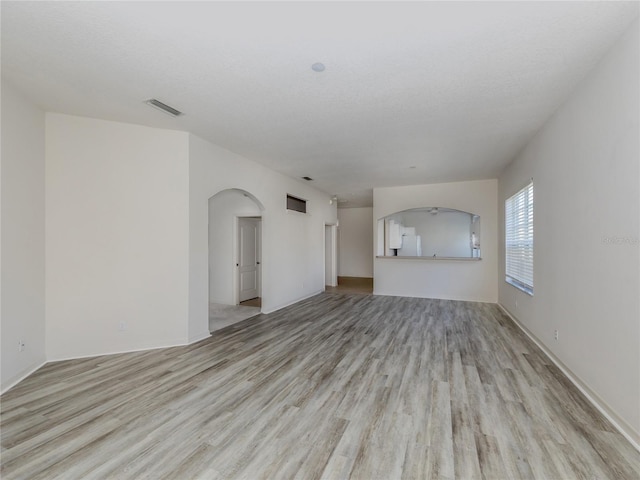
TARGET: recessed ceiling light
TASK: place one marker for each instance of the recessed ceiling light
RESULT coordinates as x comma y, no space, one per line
318,67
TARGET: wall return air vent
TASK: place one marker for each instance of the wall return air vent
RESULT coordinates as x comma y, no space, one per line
296,204
163,107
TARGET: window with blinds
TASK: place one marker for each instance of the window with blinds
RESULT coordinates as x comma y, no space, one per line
519,239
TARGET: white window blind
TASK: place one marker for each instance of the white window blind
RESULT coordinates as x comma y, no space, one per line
519,239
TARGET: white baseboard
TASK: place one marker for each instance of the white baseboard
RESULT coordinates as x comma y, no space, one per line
620,424
176,343
18,379
280,307
193,339
434,297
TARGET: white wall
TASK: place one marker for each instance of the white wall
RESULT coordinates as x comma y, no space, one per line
448,279
223,240
293,243
117,236
355,242
585,167
22,227
127,237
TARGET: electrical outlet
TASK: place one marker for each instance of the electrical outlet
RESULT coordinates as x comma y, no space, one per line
21,345
122,326
555,334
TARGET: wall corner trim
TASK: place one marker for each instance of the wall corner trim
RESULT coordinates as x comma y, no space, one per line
620,424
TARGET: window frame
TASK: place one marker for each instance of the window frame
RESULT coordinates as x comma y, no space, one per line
519,239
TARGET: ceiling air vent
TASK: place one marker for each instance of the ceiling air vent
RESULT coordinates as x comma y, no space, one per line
308,179
164,107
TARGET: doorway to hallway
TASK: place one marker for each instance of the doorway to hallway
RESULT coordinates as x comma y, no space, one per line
235,257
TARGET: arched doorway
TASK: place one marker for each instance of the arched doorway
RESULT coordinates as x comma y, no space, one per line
235,257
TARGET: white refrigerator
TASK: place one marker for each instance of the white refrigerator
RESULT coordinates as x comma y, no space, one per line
411,246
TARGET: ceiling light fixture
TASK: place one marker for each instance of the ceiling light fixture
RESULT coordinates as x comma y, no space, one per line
163,107
318,67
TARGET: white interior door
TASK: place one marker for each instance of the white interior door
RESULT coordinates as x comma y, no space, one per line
248,258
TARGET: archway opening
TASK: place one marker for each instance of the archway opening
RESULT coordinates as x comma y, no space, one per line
235,257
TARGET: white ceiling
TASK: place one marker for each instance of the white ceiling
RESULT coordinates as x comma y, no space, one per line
452,89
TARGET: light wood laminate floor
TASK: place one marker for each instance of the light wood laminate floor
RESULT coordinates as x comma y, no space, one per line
337,386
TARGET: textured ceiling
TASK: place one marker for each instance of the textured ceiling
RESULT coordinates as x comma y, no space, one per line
412,92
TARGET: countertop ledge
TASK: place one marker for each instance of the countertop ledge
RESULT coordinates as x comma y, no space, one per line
457,259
